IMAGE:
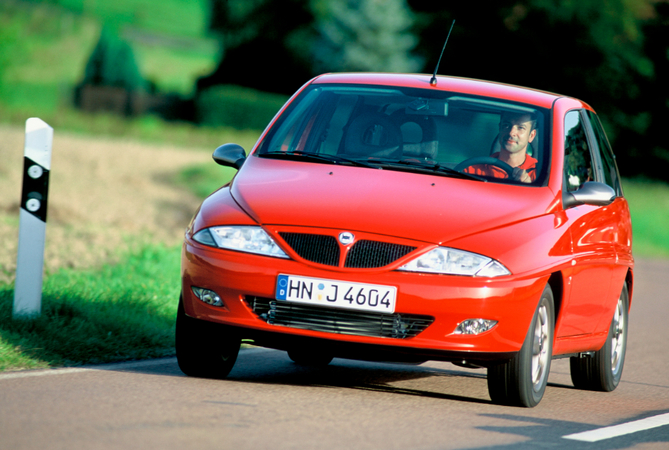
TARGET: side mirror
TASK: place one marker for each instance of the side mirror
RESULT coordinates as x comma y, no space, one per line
230,155
591,193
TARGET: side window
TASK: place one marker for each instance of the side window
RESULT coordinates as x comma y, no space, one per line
577,159
610,169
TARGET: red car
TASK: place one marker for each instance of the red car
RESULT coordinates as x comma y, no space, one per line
383,217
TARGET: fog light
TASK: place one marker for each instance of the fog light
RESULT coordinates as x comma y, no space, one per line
207,296
475,326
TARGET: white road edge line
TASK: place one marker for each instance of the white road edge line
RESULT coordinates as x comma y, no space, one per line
622,429
113,366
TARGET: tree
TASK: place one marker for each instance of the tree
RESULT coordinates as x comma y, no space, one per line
589,49
595,50
277,45
365,35
611,69
254,39
112,63
112,81
649,145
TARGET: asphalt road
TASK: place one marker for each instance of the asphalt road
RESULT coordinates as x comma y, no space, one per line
270,403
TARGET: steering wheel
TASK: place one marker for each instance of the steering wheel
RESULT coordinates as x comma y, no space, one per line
485,160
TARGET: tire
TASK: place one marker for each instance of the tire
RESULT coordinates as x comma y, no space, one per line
522,380
602,371
204,349
310,357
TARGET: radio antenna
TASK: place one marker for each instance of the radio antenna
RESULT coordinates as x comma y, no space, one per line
433,80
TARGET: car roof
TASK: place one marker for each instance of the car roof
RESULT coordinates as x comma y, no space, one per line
446,83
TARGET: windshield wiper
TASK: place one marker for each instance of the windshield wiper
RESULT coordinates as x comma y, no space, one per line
431,167
298,155
374,163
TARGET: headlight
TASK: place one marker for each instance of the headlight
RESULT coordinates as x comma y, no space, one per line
241,238
456,262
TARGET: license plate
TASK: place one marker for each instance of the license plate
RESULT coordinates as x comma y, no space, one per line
338,294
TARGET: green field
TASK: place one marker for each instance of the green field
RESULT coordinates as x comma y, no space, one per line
126,311
44,47
119,312
649,205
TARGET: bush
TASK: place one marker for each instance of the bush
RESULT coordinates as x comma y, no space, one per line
112,81
112,63
237,107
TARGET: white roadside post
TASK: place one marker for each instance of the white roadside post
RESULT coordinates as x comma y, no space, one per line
32,219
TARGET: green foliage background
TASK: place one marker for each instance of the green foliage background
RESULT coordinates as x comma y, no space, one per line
244,108
612,54
112,63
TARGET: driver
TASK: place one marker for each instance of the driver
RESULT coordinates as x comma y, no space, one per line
516,131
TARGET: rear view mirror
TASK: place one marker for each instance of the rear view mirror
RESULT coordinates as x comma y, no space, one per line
591,193
230,155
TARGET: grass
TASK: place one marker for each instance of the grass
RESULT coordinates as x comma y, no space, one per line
44,46
649,207
202,180
119,312
175,69
36,36
186,18
146,129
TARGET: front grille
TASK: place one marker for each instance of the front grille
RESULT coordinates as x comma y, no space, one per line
364,254
370,254
321,249
340,321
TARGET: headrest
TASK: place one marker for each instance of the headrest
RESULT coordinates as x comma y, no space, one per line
373,134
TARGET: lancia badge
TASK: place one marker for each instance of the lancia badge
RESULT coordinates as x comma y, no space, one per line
346,238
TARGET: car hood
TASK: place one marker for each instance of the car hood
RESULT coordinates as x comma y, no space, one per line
428,208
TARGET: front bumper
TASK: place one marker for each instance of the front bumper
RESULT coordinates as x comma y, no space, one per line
241,278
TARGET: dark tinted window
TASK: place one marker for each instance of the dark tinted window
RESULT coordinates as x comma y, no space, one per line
610,169
577,160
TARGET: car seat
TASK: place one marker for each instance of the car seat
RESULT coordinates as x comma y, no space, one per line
419,136
373,135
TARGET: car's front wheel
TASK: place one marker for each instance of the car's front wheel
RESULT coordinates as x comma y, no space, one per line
602,371
522,380
204,349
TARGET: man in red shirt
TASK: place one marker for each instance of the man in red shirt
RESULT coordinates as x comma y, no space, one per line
516,131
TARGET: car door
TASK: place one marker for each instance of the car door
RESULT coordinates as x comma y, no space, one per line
618,211
594,234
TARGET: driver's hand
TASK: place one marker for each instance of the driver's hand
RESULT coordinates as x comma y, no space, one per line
521,175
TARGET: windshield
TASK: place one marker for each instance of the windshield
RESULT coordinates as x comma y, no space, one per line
410,129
